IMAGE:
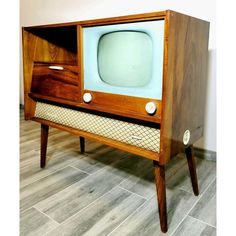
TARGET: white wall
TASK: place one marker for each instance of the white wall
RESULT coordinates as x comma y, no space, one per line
58,11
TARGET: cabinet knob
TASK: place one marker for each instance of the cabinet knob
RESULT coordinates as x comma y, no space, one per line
151,108
87,97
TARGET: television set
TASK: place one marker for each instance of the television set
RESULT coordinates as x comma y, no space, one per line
137,83
123,68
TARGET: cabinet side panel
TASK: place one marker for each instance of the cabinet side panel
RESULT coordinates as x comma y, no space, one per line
29,47
185,82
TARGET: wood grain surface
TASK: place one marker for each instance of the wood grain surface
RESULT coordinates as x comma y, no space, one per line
184,83
56,83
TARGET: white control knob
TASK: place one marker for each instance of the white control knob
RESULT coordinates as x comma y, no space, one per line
87,97
151,108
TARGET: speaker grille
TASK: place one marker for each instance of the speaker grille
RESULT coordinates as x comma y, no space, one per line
133,134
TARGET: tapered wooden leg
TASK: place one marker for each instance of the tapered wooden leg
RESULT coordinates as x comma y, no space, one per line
82,144
44,141
161,194
192,169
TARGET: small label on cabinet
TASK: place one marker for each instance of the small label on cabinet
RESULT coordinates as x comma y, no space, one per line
136,137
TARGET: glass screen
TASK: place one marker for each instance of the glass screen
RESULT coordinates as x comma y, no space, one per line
125,58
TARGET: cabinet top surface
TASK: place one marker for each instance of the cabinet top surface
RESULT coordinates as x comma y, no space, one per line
110,19
116,19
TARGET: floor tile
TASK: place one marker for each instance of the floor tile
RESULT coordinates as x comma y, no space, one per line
31,171
205,209
46,187
145,221
144,183
193,227
99,158
206,172
73,199
34,223
101,217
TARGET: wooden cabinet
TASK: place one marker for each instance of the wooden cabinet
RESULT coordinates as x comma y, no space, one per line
54,79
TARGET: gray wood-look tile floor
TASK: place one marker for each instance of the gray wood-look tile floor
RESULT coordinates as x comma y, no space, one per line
106,191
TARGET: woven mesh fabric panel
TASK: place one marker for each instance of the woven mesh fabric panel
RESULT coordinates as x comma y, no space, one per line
133,134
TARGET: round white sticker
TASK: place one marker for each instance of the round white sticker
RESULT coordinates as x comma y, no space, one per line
186,137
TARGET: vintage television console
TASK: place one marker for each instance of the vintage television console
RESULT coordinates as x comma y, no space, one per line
137,83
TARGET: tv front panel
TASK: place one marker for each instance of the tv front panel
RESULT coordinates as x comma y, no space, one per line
124,59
